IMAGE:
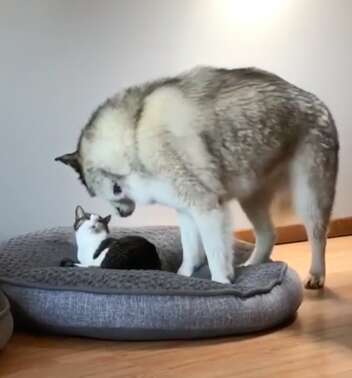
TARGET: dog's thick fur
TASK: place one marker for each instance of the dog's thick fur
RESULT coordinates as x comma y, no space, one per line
198,140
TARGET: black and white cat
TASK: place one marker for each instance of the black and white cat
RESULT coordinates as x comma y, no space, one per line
97,249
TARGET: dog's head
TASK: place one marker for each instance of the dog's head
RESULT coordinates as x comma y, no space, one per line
104,155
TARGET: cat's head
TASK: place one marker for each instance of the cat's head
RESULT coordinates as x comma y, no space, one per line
90,223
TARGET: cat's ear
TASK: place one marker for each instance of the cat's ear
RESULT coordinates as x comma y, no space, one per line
107,219
71,160
79,212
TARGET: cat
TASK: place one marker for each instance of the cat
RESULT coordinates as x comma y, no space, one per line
96,248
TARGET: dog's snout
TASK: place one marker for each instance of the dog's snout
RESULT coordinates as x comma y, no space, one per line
123,213
125,207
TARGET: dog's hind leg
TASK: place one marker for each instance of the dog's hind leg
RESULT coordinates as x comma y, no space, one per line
257,211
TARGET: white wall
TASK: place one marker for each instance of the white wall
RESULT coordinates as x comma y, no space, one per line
59,59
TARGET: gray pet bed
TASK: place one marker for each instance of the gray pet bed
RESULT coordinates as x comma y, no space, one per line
6,321
117,304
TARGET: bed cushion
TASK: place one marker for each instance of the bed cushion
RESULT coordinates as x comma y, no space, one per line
6,321
140,305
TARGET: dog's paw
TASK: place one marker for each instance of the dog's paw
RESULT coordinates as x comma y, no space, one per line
222,279
314,282
225,278
255,260
185,270
247,263
250,262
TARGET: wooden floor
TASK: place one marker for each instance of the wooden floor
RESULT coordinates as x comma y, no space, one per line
317,344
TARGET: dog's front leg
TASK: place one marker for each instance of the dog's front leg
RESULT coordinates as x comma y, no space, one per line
215,228
193,253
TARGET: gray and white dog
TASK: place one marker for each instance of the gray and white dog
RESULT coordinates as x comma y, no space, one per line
198,140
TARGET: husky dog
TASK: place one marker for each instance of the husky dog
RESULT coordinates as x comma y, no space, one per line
198,140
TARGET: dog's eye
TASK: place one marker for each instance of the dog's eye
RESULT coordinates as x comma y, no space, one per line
116,189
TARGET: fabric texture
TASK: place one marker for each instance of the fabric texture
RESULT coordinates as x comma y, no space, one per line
6,321
128,304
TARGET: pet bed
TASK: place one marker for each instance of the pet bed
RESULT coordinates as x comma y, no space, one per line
6,321
140,305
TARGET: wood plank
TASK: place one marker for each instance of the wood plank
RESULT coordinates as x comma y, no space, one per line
296,232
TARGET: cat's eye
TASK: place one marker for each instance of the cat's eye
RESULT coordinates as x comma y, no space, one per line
116,189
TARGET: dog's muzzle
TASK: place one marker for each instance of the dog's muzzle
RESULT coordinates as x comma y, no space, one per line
125,207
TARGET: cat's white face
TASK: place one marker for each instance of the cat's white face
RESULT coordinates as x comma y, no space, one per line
90,226
91,230
90,223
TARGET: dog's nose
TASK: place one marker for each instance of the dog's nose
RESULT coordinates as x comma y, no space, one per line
125,207
124,212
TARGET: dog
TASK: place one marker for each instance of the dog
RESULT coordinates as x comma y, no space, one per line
198,140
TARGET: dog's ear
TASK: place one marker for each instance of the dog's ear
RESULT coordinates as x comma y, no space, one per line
107,219
72,160
79,212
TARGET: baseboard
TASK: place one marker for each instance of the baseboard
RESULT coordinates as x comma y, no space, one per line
296,232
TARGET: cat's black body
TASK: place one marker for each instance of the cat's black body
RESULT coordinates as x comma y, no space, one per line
129,252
